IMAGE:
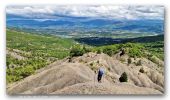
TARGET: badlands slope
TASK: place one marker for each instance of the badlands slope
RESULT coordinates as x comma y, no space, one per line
78,77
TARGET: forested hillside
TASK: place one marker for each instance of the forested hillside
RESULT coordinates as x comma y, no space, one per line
29,52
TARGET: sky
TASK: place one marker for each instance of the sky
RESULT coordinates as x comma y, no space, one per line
90,11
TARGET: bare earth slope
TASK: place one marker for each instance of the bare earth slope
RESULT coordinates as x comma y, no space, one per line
78,77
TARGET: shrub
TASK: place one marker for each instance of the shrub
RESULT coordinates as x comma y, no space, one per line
86,49
139,63
129,61
93,68
123,77
12,78
27,71
77,51
69,59
135,52
19,73
91,64
108,51
99,51
109,69
153,59
141,70
122,60
133,49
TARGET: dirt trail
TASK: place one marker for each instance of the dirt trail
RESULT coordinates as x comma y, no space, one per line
78,77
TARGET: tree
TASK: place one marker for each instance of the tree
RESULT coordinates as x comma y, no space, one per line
77,51
123,77
99,51
108,51
86,49
141,70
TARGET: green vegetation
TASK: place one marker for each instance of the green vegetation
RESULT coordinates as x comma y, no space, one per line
123,60
39,45
37,51
148,47
93,66
78,50
27,52
152,44
109,49
129,61
132,49
123,77
155,49
139,63
141,70
99,51
17,73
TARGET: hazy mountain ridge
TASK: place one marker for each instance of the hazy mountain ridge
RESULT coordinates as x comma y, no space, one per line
143,25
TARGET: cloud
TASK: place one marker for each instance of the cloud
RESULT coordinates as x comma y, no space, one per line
91,11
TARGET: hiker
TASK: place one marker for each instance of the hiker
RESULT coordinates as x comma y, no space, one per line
122,52
100,74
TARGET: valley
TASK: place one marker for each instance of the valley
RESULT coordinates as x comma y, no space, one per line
85,50
40,54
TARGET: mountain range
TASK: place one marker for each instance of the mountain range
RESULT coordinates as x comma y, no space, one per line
68,22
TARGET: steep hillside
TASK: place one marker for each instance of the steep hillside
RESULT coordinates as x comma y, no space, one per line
77,76
28,52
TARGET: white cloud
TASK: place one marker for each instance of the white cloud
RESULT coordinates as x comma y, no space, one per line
93,11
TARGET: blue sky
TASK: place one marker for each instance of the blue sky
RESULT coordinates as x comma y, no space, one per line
52,12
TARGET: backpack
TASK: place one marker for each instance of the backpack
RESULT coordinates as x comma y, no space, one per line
101,71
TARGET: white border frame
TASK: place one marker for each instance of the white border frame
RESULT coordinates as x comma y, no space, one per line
5,3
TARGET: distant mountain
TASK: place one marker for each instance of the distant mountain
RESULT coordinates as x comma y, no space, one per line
144,25
156,26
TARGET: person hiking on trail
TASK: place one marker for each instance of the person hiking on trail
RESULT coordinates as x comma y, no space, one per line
100,74
122,52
